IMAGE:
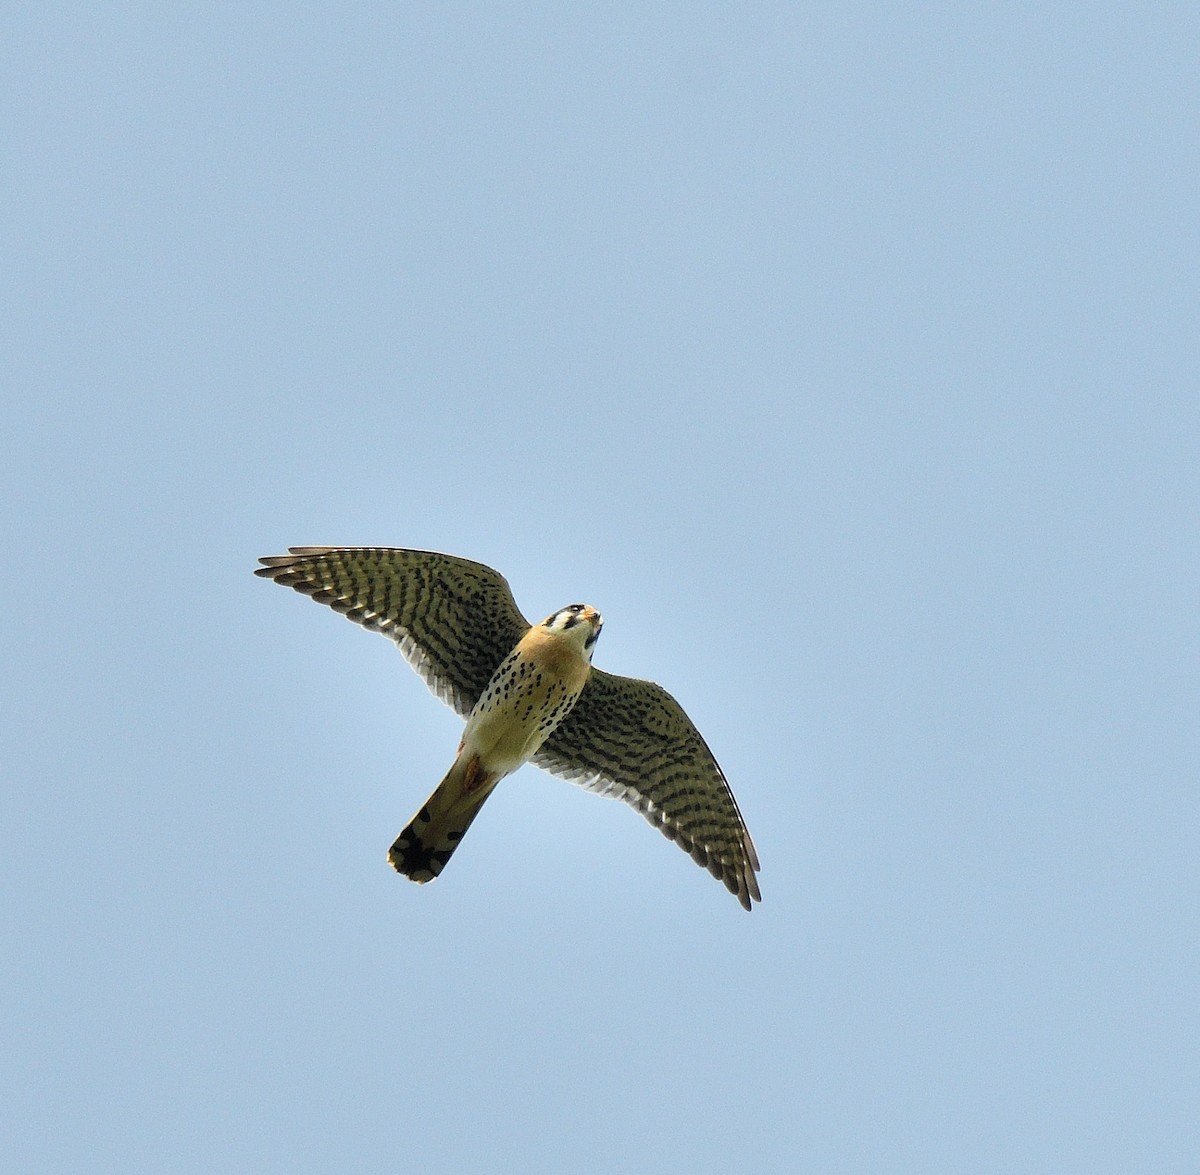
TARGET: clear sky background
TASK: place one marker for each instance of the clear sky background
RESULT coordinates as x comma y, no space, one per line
844,356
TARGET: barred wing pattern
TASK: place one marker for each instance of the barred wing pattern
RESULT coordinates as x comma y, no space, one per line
454,620
630,739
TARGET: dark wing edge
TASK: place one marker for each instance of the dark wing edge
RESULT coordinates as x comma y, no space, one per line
453,619
585,750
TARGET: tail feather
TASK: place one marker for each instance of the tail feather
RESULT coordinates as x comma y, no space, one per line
421,851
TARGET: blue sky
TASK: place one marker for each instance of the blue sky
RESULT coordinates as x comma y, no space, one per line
845,357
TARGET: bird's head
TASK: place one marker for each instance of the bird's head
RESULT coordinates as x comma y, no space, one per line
579,624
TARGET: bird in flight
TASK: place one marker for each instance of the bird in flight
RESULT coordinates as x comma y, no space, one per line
529,694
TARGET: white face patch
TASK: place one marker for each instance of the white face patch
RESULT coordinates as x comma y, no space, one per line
579,623
566,618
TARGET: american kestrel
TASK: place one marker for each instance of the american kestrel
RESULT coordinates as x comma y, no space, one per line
529,694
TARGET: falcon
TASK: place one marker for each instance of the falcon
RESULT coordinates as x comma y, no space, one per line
529,694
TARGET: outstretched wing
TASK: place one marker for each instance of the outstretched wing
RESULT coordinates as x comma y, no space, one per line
630,739
454,620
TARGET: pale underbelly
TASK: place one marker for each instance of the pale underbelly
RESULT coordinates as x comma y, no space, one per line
509,733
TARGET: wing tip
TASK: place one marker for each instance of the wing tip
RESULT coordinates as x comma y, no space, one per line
739,879
271,563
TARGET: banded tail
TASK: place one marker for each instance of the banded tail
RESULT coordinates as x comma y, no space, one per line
421,851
